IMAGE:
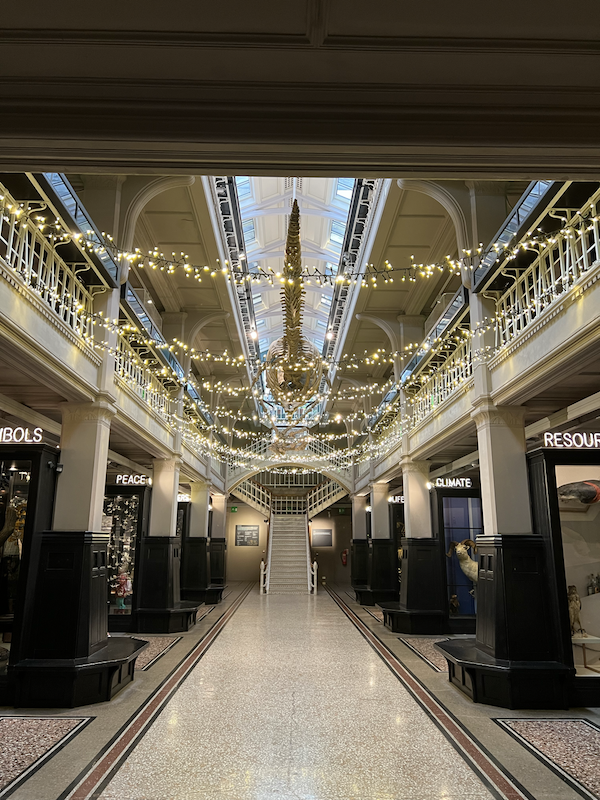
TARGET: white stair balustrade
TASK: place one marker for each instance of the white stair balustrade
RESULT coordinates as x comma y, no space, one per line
289,568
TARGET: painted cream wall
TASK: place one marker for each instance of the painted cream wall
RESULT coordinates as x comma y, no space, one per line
243,563
329,558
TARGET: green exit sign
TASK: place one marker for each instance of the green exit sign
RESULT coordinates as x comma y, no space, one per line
234,509
341,510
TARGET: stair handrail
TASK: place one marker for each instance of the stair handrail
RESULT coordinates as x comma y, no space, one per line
313,571
263,577
308,556
269,550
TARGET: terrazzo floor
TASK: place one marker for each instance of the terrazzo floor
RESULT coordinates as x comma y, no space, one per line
572,746
27,741
424,647
291,703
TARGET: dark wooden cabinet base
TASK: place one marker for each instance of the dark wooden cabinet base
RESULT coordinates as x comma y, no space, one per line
66,683
401,620
508,684
181,617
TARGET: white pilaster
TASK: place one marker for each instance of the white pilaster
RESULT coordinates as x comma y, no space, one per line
380,511
219,513
417,508
503,469
84,443
199,509
359,516
165,486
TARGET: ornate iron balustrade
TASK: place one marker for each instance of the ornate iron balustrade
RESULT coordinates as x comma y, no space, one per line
439,386
559,265
36,261
131,370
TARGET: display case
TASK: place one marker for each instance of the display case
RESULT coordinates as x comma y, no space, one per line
125,518
27,489
566,510
457,520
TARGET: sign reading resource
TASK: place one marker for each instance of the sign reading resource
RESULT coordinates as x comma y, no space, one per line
132,480
21,435
246,535
452,483
579,441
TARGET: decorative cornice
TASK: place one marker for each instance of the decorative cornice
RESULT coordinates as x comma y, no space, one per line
97,411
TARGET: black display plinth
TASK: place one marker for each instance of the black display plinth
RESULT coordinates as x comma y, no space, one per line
70,682
506,683
218,561
64,657
421,608
382,584
359,563
160,608
195,568
516,659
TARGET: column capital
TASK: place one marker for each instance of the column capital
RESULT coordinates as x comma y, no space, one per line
410,465
378,488
488,415
94,411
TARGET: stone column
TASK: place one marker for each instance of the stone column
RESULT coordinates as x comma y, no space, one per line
165,486
84,453
515,624
195,560
199,508
219,514
160,608
503,469
382,565
380,511
359,555
422,608
417,504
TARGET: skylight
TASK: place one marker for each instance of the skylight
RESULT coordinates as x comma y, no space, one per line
243,186
249,231
338,230
344,188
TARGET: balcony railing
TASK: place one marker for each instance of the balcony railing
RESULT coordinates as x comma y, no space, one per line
559,265
130,368
439,386
36,261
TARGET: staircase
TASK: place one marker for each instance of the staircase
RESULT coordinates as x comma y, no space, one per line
288,558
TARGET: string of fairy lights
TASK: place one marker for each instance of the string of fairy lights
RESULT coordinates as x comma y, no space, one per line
209,417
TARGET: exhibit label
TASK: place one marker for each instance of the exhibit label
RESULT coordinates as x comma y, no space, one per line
21,435
587,441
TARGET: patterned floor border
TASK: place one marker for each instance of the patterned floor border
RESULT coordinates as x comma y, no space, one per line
205,612
409,642
98,773
166,649
500,783
567,776
35,765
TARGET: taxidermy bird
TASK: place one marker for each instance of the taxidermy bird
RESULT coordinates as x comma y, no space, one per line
574,610
466,563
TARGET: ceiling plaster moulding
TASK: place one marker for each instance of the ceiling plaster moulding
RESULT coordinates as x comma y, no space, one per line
452,162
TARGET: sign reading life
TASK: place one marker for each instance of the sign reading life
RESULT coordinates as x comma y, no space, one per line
569,440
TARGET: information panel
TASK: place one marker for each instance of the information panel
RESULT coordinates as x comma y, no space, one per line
246,535
322,537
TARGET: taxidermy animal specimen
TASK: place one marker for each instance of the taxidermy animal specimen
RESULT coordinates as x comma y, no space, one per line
574,609
466,563
586,492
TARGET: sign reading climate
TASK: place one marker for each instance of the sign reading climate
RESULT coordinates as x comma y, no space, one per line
21,435
451,483
577,440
